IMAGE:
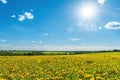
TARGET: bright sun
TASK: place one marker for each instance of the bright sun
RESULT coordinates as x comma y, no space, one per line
87,11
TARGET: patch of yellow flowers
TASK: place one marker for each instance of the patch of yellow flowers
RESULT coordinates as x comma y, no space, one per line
97,66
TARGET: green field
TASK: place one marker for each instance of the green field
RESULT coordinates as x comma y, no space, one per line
94,66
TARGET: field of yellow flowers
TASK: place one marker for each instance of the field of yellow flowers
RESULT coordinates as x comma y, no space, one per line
95,66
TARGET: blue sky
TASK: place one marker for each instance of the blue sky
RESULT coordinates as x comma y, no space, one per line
59,24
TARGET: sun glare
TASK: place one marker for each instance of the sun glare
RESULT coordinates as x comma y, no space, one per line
87,11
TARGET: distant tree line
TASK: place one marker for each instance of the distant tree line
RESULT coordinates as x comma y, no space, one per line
32,53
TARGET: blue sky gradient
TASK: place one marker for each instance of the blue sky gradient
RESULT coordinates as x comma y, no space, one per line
56,25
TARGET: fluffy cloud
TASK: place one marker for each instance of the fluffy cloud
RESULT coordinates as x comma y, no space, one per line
112,25
3,1
101,2
28,15
24,16
21,18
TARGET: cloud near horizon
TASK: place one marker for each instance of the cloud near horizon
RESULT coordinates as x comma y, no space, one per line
74,39
36,42
57,47
2,40
47,34
113,25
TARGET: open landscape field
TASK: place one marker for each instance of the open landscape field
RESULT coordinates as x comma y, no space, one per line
59,39
94,66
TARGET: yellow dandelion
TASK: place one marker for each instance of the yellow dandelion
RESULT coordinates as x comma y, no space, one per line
39,79
11,76
0,74
88,75
105,74
98,78
92,79
3,79
33,75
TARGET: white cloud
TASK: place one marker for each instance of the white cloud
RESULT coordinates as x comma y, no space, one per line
3,40
21,18
113,25
13,16
3,1
24,16
28,15
57,47
74,39
101,2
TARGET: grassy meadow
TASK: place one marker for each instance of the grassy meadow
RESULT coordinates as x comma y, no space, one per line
93,66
